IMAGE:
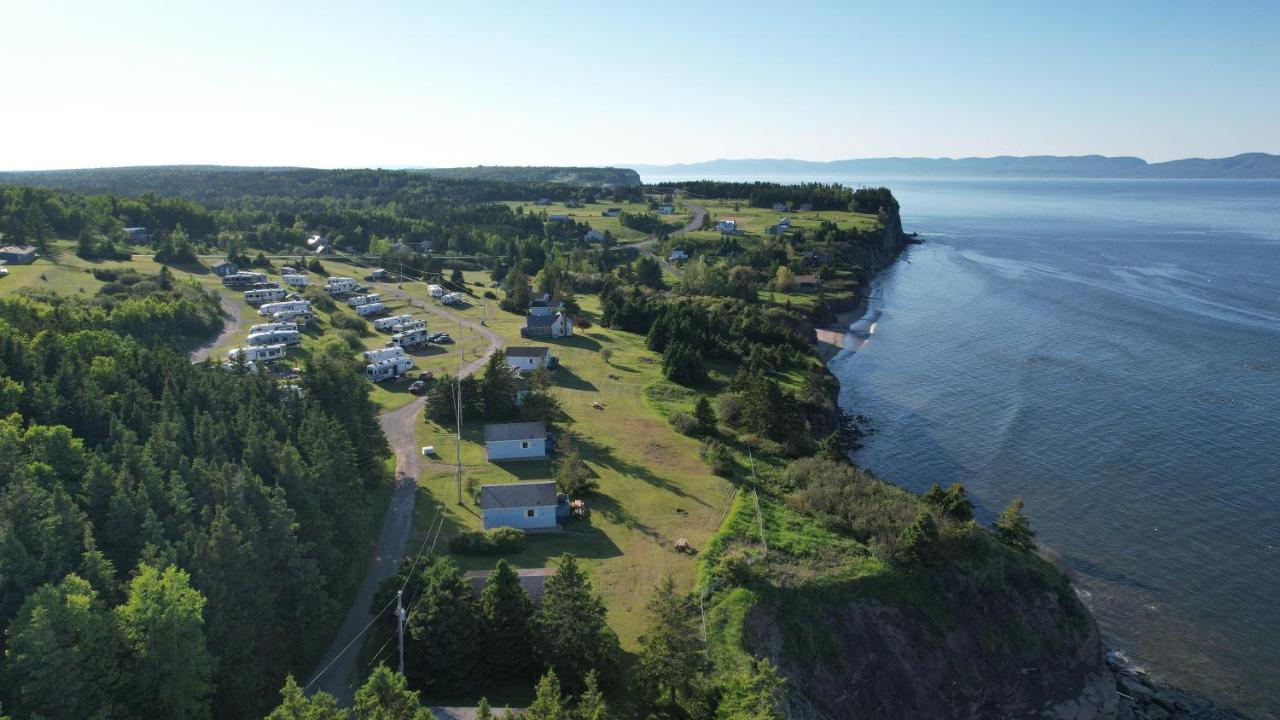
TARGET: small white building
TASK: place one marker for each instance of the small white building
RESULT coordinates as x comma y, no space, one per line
515,441
666,209
593,236
523,505
727,226
547,326
612,212
527,358
678,256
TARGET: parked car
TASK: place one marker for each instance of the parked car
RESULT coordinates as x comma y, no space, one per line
426,375
418,387
440,338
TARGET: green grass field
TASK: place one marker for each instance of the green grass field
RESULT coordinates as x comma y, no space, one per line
591,214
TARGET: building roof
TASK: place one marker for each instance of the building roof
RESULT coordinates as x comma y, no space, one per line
518,495
224,263
527,351
499,432
532,321
531,579
17,249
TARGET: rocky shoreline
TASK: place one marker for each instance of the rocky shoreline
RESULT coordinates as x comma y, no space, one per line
1141,698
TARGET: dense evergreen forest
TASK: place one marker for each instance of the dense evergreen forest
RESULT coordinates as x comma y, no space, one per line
171,535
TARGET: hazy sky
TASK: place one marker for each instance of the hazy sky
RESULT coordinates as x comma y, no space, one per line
95,83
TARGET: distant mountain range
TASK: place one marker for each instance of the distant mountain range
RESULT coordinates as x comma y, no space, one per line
1247,166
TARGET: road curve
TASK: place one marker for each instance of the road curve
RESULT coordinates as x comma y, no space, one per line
232,319
400,427
645,247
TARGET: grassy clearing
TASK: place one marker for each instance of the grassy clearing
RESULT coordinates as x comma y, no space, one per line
592,214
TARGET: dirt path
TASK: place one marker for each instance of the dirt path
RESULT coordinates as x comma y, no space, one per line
400,426
645,247
231,323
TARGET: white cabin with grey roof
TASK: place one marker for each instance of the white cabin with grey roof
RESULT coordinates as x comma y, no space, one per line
515,441
523,505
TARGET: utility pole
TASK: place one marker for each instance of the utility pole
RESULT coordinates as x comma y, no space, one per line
457,414
400,622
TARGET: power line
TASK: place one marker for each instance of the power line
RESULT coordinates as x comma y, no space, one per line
340,653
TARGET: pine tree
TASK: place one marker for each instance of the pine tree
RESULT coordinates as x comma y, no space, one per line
672,653
571,475
705,415
443,627
1013,527
482,710
591,704
296,705
548,704
754,694
575,638
506,617
386,696
917,540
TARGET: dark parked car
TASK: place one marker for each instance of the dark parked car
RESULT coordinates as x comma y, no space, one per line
418,387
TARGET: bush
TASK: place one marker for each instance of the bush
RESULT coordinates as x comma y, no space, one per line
717,457
319,299
686,424
730,408
489,295
315,267
498,541
351,338
344,321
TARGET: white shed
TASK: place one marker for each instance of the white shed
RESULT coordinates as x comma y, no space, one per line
523,505
515,441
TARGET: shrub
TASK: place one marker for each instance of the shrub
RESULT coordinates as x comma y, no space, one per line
319,299
686,424
850,500
489,295
730,408
498,541
315,267
344,321
581,323
351,338
717,457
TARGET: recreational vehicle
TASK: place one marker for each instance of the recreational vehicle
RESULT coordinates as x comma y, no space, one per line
266,295
435,290
296,280
452,298
386,353
373,308
243,278
270,309
389,323
257,354
294,317
388,369
358,300
249,366
275,337
410,339
271,327
339,285
410,325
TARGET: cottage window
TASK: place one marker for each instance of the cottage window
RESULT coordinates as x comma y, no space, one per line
528,513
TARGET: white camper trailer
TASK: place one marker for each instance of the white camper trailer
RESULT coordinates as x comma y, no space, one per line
296,280
386,353
389,323
262,353
271,327
435,290
275,337
294,317
410,339
266,295
249,366
373,308
339,285
358,300
410,325
244,278
388,369
270,309
452,298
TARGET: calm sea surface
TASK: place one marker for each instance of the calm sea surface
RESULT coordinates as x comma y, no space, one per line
1110,352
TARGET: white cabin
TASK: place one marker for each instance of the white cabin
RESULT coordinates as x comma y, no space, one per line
515,441
373,308
388,369
386,353
528,359
266,295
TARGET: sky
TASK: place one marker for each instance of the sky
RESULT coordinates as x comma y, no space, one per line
441,84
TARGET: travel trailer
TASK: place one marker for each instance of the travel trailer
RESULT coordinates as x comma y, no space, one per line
410,325
410,339
358,300
435,291
261,353
275,337
244,278
386,353
272,326
373,308
266,295
294,317
296,280
270,309
389,323
388,369
452,298
339,285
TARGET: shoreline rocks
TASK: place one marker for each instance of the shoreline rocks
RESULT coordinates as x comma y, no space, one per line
1141,698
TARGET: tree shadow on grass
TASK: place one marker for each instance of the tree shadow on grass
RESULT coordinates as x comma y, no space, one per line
613,511
569,380
581,342
592,452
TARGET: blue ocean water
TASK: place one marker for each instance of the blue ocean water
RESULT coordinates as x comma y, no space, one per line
1109,351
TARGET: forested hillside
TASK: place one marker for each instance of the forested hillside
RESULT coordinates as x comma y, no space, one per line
171,535
591,176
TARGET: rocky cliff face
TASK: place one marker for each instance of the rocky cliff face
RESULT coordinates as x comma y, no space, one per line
1002,653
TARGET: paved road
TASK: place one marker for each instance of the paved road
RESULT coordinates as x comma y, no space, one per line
400,426
645,247
231,322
